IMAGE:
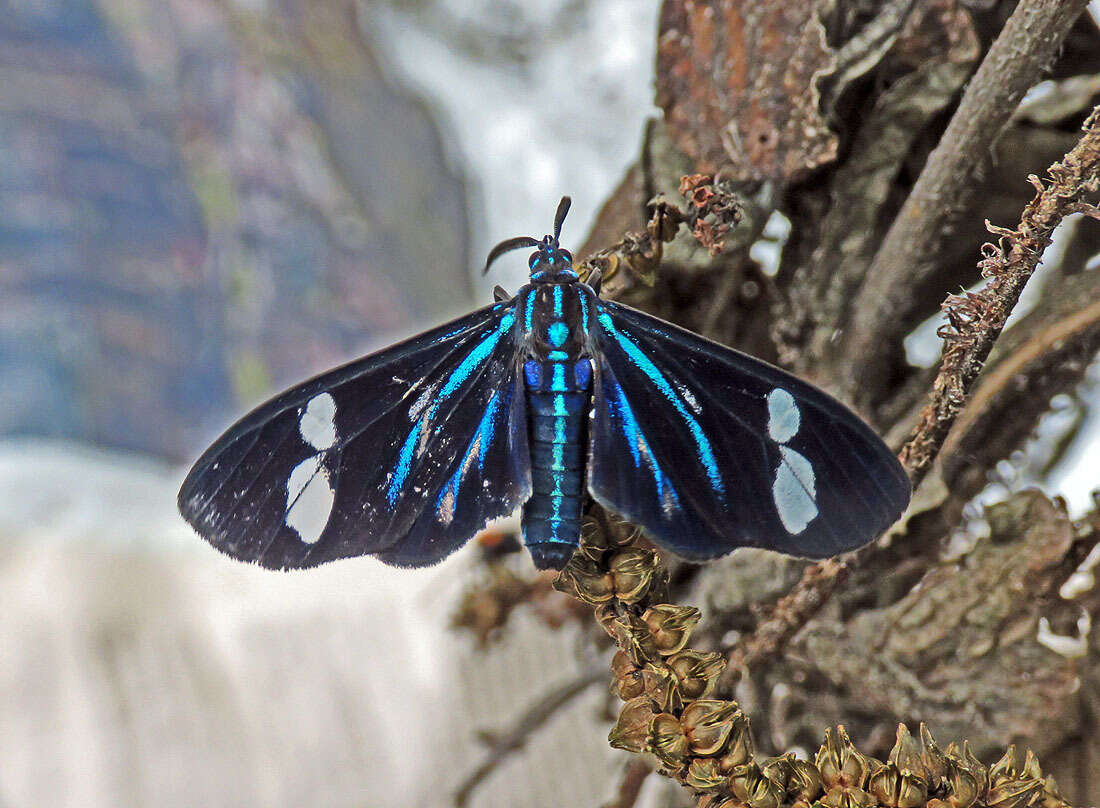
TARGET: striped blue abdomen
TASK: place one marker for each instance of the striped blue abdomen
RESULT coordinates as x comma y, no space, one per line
558,400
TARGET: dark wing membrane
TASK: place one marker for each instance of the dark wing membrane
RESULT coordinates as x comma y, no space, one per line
404,454
709,449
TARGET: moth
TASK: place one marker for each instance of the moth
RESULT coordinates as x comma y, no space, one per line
539,401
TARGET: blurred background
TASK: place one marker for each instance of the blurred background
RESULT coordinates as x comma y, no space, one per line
201,202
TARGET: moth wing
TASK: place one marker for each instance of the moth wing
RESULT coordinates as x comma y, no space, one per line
403,454
710,449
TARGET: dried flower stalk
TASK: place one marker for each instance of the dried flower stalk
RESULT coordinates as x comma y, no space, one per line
706,745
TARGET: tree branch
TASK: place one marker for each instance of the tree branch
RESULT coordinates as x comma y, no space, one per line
1025,47
504,744
976,320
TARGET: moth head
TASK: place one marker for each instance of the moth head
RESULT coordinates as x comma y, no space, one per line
549,263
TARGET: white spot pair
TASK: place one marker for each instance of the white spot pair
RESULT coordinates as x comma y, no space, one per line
794,490
309,492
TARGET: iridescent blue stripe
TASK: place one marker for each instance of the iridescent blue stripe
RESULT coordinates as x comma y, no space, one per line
528,312
584,310
638,442
558,455
557,301
482,438
557,333
467,327
557,380
458,376
478,355
645,364
404,462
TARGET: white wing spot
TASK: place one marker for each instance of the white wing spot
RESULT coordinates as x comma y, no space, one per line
318,422
794,491
309,499
784,419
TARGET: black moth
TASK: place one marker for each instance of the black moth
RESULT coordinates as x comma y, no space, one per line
539,401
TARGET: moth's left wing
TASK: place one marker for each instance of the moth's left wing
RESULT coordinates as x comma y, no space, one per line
710,449
403,454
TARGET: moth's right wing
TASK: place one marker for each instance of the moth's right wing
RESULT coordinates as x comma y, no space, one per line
404,454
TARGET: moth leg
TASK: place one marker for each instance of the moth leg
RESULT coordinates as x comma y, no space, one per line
595,278
499,295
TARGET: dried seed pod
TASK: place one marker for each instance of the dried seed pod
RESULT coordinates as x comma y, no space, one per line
778,769
661,686
642,258
906,754
622,533
804,785
895,787
848,797
1007,768
750,786
633,570
697,671
671,626
708,724
631,731
966,777
1015,793
718,801
704,774
667,740
935,761
840,763
585,580
630,634
606,615
1052,797
666,219
594,539
739,747
626,679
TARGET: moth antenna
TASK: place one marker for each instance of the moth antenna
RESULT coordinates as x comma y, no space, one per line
559,217
507,246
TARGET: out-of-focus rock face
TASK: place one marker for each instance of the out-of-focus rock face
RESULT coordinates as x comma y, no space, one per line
200,201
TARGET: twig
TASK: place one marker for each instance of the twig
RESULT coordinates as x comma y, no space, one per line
512,740
975,322
1025,47
630,786
792,612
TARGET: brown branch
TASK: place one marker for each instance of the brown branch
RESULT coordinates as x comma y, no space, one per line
630,786
1025,47
976,322
792,612
504,744
976,319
